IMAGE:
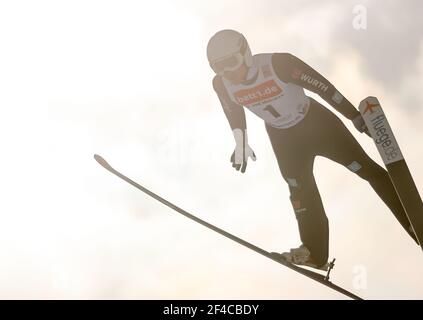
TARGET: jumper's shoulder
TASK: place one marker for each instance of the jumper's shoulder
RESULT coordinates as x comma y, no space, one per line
283,64
283,59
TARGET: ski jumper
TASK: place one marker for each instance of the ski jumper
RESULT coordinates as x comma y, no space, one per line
300,129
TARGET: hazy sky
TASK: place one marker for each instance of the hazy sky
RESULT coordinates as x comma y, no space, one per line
130,81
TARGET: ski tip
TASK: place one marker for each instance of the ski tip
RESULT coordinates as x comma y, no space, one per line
101,161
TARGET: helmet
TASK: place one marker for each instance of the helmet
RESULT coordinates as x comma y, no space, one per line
227,50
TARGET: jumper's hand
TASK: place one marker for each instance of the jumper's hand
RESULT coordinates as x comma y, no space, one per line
360,125
240,157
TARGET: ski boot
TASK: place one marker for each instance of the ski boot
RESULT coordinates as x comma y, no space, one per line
301,256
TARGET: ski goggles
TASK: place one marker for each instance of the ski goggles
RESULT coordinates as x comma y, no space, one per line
230,63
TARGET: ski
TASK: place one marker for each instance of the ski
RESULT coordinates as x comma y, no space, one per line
323,279
394,161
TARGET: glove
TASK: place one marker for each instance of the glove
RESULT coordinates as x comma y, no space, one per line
242,151
360,125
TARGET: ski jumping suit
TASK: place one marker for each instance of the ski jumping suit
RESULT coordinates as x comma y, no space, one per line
300,129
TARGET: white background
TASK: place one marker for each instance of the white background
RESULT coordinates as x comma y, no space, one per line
130,80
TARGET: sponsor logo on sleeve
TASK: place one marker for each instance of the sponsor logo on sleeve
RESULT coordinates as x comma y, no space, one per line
300,75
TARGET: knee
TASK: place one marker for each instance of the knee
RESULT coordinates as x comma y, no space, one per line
295,188
367,170
304,195
296,197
